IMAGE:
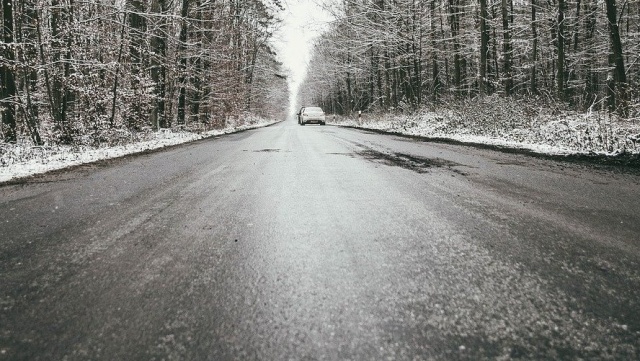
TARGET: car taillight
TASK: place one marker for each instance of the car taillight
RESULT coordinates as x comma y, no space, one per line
305,114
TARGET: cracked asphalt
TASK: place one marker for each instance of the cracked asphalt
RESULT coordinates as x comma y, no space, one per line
321,243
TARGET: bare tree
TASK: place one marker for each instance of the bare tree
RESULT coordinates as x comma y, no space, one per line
618,82
7,77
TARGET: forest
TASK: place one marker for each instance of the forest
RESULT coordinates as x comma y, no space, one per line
84,72
392,56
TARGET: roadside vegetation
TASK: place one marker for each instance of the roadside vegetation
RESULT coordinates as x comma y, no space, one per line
561,74
100,73
507,122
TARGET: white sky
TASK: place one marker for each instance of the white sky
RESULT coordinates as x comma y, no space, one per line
304,20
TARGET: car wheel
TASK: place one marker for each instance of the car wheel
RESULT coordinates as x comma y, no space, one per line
323,123
301,123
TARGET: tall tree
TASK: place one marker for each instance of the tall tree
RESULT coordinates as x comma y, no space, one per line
27,55
455,13
7,76
137,112
435,69
560,38
617,86
182,42
534,49
484,46
506,48
158,62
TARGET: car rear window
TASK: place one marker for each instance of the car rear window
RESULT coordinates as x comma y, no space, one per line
313,109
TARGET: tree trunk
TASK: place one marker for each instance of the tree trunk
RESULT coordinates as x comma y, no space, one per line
484,47
184,13
25,34
591,84
494,48
137,29
576,37
417,53
158,66
47,79
618,86
454,20
387,78
114,90
68,97
434,57
534,50
349,90
7,76
560,44
506,49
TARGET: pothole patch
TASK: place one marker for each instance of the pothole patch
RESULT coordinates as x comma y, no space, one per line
268,150
406,161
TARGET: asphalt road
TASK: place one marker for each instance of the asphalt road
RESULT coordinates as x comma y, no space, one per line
321,243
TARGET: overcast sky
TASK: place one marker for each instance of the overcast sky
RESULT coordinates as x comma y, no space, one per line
303,22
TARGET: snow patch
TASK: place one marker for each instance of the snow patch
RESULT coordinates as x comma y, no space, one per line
509,123
23,159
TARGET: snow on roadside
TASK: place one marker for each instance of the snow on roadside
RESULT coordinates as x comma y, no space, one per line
17,161
564,134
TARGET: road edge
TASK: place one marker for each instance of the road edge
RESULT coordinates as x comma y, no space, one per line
626,162
32,178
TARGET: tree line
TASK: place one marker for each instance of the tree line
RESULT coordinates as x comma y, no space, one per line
396,54
69,68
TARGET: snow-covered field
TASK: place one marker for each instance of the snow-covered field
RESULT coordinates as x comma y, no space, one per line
24,159
507,123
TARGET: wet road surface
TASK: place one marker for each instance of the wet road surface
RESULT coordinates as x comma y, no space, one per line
321,243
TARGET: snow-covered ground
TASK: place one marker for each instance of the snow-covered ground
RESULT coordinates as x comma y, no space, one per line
512,125
23,159
490,121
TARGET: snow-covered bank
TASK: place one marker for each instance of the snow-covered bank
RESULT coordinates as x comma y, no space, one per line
506,123
23,159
